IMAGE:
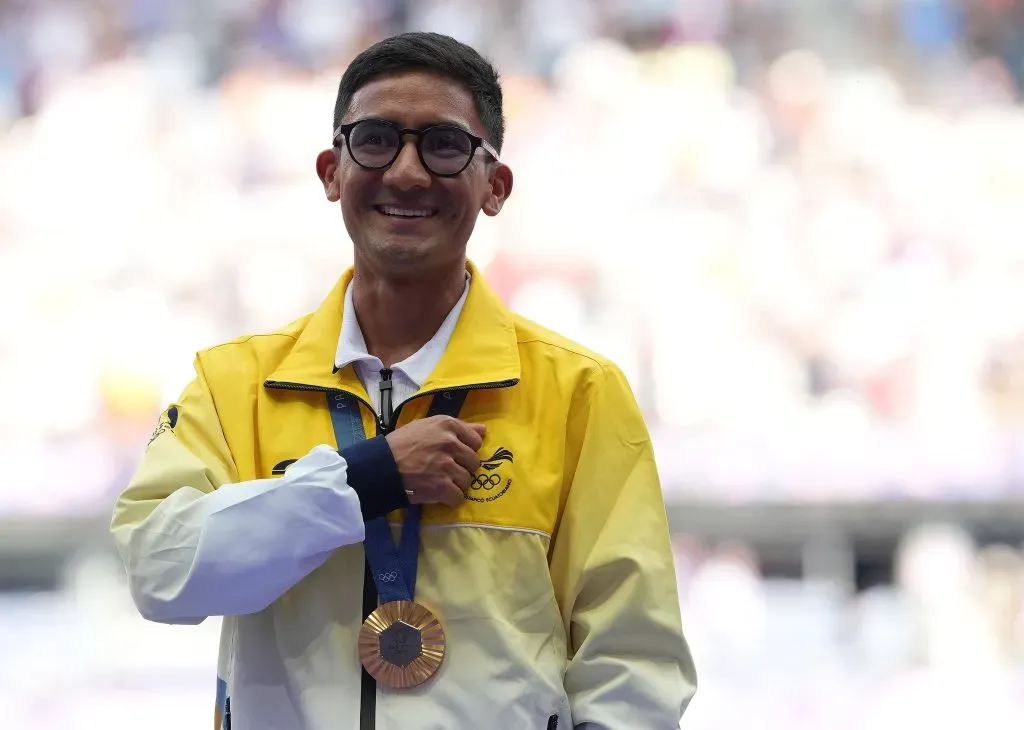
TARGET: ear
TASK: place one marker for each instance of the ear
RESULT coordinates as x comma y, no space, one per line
500,189
327,171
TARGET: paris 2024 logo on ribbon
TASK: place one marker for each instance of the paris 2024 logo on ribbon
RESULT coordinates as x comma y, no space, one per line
489,483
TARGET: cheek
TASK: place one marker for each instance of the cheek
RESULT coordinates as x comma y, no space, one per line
353,186
468,202
349,211
353,200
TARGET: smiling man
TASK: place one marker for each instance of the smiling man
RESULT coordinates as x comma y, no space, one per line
414,509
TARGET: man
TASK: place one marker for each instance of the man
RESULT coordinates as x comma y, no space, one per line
540,592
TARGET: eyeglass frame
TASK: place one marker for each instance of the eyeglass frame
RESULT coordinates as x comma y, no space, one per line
476,143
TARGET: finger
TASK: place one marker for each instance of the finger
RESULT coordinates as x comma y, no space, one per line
452,495
460,477
466,457
471,434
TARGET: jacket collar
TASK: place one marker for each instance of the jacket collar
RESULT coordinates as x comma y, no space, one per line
482,350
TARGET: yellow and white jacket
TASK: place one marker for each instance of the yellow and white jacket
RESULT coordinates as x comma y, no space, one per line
554,579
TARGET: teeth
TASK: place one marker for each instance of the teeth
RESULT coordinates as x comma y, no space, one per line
406,212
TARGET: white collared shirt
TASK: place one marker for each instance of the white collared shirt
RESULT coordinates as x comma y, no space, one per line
408,375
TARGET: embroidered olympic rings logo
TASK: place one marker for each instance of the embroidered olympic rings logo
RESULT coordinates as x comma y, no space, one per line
486,481
389,577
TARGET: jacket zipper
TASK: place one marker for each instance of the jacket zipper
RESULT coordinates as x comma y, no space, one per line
280,385
387,413
383,428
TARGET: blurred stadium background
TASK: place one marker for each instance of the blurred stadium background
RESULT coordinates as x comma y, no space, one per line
798,225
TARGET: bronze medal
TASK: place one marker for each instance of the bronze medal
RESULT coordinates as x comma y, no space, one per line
401,644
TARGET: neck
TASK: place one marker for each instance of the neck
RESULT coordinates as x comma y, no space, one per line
398,317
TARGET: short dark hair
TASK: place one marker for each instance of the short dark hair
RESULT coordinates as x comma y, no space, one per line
434,52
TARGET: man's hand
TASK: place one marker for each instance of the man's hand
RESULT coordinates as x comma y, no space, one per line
437,458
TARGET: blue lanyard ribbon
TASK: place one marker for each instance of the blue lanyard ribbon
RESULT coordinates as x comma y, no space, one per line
393,566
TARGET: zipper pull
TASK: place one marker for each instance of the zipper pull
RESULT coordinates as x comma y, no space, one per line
387,412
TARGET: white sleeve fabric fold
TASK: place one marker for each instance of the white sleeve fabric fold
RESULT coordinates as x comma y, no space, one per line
237,548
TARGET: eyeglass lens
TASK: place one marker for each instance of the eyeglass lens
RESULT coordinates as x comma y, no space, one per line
444,150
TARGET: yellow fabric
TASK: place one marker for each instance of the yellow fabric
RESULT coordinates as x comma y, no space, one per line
554,579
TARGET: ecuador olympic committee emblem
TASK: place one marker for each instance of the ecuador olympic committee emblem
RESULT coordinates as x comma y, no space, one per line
167,423
490,483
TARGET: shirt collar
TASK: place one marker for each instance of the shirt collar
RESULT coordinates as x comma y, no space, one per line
418,366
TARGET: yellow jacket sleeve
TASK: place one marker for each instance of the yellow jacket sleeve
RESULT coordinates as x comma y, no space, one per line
612,566
196,542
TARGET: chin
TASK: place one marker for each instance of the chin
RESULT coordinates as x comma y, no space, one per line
405,249
405,258
398,256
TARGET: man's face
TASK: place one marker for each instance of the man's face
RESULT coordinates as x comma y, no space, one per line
384,209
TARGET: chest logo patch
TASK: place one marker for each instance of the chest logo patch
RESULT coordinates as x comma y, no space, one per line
490,483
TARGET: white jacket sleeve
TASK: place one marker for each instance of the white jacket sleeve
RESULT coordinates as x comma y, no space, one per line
197,543
237,549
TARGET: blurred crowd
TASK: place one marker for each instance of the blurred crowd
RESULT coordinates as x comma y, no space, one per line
940,647
814,260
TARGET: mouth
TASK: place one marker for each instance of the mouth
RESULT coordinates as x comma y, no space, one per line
405,212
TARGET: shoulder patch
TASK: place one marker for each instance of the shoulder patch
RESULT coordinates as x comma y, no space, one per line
168,420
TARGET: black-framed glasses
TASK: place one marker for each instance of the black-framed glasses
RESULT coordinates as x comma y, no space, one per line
444,149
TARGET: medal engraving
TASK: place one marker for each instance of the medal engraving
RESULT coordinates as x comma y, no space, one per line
401,644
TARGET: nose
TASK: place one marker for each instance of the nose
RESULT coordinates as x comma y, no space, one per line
407,171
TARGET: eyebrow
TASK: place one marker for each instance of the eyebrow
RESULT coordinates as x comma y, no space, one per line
424,125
